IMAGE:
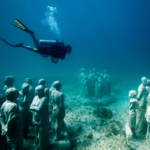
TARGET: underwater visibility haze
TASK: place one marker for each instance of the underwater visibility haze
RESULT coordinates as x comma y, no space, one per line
104,34
82,105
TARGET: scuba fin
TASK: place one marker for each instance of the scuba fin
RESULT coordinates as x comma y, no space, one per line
22,26
17,45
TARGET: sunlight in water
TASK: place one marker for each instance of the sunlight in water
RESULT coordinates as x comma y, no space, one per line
51,21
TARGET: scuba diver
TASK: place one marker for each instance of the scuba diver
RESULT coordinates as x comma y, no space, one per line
46,48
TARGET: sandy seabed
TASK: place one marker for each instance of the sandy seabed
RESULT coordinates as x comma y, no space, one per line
89,132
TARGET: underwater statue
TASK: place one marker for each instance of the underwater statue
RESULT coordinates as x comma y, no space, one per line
31,89
24,100
11,121
84,87
105,75
40,118
81,75
100,86
3,145
58,111
141,125
96,86
32,92
108,86
132,112
147,115
9,81
148,86
46,90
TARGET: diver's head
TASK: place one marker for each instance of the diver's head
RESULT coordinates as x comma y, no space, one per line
68,49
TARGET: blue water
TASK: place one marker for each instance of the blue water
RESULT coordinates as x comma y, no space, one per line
104,34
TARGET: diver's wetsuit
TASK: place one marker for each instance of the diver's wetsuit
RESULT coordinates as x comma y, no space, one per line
55,51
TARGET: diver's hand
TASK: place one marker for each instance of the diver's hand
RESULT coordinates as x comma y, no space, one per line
19,45
54,60
68,49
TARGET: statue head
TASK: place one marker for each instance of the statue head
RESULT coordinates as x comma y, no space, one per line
25,88
94,70
41,82
132,94
57,85
11,94
82,70
9,80
39,90
144,81
105,71
29,81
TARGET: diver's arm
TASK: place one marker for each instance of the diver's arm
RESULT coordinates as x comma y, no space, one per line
30,48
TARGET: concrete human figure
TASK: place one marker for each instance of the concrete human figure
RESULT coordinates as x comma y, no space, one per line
96,86
100,86
40,118
148,86
46,90
148,90
81,75
11,121
132,112
58,112
84,89
141,124
2,99
105,74
9,81
24,100
91,85
147,115
94,72
108,86
3,145
31,89
98,74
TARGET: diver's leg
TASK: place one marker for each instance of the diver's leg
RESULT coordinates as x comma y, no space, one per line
35,41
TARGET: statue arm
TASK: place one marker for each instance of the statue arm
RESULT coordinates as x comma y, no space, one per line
131,106
7,127
42,105
61,101
33,105
23,102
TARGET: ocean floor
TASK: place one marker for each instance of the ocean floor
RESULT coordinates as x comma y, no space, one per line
89,131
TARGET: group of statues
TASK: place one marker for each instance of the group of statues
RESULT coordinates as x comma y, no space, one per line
95,84
39,107
139,110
